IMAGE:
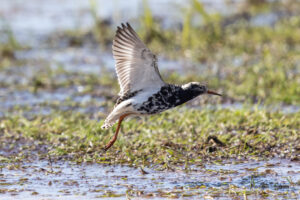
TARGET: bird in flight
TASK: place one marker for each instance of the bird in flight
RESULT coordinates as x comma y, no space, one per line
142,90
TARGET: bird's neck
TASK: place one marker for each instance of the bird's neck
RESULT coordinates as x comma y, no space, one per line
189,94
178,95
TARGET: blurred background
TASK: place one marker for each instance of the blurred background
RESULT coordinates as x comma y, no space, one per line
57,54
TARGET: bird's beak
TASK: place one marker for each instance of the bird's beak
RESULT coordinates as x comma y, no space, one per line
212,92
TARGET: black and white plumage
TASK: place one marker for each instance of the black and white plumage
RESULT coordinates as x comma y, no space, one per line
142,90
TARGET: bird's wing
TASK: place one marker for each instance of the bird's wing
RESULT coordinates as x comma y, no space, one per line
136,65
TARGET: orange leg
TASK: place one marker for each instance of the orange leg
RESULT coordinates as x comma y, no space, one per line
112,141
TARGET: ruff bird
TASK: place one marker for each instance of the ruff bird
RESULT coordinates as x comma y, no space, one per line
142,89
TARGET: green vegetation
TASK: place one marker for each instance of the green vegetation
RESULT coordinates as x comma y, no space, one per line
192,136
8,47
184,140
247,62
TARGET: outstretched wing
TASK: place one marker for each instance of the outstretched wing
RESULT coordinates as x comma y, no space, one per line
136,65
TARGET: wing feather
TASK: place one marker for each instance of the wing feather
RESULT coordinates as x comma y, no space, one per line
136,65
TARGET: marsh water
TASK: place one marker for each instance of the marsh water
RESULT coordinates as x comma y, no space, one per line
63,180
66,180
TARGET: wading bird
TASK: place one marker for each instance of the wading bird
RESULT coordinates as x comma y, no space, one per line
142,90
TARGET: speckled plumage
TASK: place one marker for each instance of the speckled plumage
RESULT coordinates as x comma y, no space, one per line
169,96
126,96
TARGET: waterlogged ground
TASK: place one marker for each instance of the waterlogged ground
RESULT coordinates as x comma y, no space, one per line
274,179
57,84
212,153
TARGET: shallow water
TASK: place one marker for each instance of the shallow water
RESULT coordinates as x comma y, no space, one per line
44,102
53,15
43,179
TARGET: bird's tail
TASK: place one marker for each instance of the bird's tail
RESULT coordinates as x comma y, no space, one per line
121,109
109,121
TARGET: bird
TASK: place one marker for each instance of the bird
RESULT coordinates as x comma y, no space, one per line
142,89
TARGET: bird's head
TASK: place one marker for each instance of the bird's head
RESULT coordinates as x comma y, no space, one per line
197,89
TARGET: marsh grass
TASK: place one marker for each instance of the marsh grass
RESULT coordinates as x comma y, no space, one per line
179,137
248,62
8,46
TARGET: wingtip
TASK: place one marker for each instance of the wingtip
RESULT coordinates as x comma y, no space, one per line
129,26
125,25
